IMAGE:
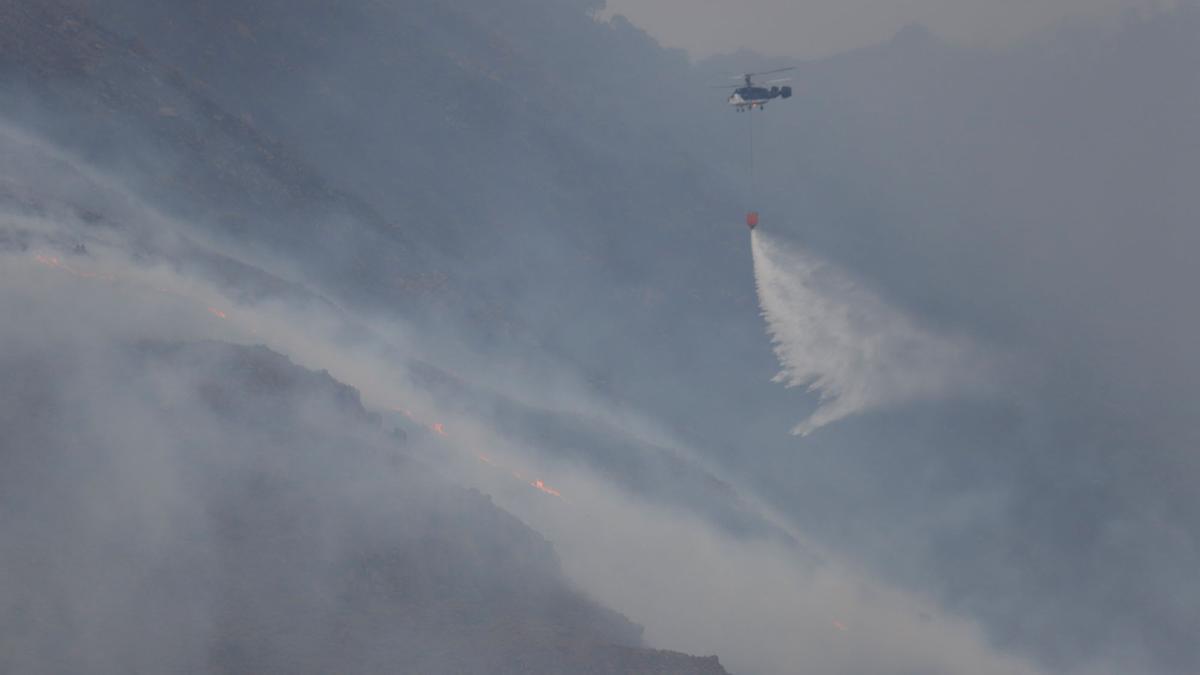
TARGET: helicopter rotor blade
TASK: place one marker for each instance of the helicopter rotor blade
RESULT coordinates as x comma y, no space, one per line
772,72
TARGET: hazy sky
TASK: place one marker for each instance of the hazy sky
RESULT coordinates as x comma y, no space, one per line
811,28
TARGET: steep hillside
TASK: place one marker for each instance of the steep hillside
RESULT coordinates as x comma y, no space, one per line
301,533
253,535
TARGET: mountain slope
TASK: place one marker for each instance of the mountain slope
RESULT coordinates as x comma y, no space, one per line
255,534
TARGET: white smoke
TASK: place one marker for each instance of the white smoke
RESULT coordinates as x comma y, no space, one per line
786,605
846,344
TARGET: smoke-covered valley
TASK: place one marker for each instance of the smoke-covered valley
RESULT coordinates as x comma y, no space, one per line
422,337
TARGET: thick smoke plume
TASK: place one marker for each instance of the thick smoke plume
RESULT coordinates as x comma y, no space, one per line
846,344
824,610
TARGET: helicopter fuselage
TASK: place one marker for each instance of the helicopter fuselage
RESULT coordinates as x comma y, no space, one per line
749,98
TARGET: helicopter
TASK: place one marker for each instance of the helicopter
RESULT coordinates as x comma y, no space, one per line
748,95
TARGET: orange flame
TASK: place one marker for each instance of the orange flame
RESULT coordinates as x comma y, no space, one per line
839,625
217,313
541,485
437,427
